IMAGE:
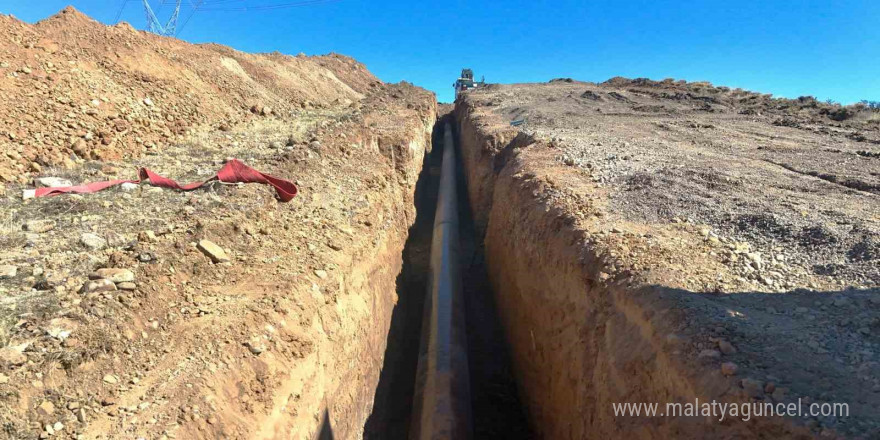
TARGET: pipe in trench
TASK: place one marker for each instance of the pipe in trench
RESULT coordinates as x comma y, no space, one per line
441,401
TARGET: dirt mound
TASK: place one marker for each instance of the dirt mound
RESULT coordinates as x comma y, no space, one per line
279,324
118,316
805,109
664,241
77,89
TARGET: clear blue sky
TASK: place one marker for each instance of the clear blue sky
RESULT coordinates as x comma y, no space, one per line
829,49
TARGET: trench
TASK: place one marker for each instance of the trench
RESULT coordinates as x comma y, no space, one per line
495,406
498,412
551,344
577,341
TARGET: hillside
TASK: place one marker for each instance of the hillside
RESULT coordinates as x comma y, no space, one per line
666,241
73,88
146,312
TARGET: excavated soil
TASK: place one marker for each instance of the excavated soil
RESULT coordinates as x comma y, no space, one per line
75,89
667,241
287,338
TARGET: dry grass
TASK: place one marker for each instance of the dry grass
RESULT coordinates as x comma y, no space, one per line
11,235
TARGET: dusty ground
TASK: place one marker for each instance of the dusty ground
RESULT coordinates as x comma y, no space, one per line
802,196
77,89
285,339
641,229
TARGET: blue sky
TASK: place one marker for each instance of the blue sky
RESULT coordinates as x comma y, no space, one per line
829,49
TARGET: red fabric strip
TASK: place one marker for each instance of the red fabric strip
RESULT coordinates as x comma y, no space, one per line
233,172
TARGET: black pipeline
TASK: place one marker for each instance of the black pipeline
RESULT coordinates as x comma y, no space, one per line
442,395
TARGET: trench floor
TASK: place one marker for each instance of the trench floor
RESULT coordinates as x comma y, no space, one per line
496,407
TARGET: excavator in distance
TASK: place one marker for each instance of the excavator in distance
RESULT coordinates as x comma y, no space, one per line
466,82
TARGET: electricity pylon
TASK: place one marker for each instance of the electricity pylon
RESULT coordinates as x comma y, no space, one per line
170,28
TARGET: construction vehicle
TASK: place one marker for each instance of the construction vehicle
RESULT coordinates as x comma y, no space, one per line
466,82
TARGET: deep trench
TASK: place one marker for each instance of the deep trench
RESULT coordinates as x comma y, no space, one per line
497,411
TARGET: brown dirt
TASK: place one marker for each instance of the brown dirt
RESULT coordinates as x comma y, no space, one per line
75,89
632,225
284,341
804,198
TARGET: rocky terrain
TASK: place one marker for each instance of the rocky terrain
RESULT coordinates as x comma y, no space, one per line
786,191
676,240
141,312
82,90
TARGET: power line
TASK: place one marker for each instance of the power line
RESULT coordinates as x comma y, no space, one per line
162,5
195,8
217,2
269,7
200,7
121,8
171,27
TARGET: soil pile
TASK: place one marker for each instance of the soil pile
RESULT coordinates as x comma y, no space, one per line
142,312
73,88
663,241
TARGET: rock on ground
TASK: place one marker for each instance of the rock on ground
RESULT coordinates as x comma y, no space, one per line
115,275
8,271
93,241
214,252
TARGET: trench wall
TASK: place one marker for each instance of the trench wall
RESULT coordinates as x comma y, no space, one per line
578,343
358,359
330,393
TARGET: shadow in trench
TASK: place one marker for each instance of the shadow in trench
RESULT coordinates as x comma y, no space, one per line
392,404
498,412
326,432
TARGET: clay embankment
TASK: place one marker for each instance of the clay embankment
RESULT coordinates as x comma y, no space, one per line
595,310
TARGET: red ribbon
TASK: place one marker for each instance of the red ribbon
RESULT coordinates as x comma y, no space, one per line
233,172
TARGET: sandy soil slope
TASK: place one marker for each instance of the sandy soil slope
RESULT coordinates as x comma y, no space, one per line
662,241
802,194
73,88
284,336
